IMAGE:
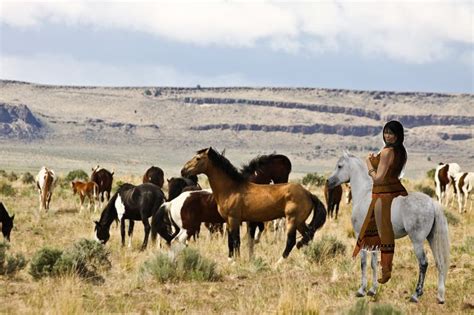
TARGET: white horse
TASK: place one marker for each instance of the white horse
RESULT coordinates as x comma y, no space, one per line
45,182
416,215
464,184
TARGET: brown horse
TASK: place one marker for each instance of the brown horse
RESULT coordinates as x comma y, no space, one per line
86,189
103,178
45,182
155,176
240,200
333,198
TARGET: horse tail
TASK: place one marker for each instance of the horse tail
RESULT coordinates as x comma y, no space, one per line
439,243
319,215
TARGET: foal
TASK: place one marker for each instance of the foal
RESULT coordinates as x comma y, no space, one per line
86,189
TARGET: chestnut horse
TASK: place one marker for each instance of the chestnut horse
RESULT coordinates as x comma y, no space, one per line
45,182
86,189
103,178
333,198
240,200
155,176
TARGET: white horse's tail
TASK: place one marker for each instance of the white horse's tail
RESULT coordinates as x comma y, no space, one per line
439,243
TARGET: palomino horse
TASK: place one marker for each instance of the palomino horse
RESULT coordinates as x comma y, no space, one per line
176,185
333,198
103,178
186,212
444,176
416,215
464,184
7,222
155,176
86,189
240,200
45,182
135,203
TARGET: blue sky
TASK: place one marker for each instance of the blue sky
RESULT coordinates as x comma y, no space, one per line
368,45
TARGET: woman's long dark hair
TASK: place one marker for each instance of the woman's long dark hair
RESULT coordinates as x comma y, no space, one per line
396,128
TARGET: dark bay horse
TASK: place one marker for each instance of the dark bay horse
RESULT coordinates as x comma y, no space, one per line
176,185
186,212
333,198
103,178
240,200
135,203
7,222
155,176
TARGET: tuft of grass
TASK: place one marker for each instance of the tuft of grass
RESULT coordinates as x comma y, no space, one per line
326,248
12,176
425,189
187,265
42,263
385,309
313,179
360,308
10,264
7,189
27,178
451,218
468,246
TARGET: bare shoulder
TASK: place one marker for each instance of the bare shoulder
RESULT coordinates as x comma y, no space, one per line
387,152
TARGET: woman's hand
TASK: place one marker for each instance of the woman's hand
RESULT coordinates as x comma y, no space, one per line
369,158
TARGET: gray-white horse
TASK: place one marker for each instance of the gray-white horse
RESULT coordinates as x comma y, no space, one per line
416,215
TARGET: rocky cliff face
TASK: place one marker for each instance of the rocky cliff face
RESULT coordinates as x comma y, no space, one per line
17,121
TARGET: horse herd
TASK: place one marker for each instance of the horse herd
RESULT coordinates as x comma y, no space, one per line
259,192
449,175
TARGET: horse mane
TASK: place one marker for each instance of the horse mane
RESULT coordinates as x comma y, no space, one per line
257,162
225,165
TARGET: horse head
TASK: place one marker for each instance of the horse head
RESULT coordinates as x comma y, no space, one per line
198,164
341,173
102,232
7,227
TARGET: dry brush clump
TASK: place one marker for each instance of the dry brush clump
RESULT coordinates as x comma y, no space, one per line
322,250
10,264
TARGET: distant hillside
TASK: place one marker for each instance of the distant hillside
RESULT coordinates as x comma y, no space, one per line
137,126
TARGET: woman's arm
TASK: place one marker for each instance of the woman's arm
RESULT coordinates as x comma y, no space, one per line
386,159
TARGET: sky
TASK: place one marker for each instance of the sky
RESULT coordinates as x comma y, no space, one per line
361,45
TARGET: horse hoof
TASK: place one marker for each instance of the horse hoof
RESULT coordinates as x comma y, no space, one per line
440,301
360,294
299,244
414,299
371,293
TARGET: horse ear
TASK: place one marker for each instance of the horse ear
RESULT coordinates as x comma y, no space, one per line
223,152
96,222
12,217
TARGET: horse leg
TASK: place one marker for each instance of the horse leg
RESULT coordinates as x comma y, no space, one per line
337,209
290,238
363,268
147,227
261,228
252,228
423,264
122,231
234,237
130,232
460,201
374,265
305,232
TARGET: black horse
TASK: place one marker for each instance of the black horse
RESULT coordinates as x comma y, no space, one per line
176,185
155,176
264,170
7,222
133,203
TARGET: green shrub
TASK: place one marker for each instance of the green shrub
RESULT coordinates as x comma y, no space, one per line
431,173
3,173
186,265
7,189
360,308
385,309
76,175
10,264
326,248
425,189
313,179
27,178
42,263
451,218
12,176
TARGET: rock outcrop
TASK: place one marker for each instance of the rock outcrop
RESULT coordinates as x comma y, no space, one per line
17,121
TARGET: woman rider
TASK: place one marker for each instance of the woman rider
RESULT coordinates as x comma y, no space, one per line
384,169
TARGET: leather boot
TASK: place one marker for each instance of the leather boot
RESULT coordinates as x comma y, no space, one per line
386,263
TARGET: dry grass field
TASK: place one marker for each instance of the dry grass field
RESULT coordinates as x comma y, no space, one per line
246,287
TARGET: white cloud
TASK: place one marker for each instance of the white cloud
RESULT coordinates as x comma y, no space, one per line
58,69
408,31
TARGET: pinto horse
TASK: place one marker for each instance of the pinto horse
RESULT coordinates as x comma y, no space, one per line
103,178
45,182
187,212
464,184
86,189
416,215
7,222
155,176
135,203
240,200
333,198
176,185
444,176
